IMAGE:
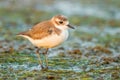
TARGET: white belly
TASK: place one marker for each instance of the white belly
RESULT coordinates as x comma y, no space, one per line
50,41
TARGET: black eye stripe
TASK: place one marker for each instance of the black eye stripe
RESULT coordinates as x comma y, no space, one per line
60,22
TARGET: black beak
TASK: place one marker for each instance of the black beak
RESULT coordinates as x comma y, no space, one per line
70,26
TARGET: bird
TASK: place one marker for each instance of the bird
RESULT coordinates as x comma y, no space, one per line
48,34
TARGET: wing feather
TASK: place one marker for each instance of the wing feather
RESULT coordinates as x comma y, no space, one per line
41,30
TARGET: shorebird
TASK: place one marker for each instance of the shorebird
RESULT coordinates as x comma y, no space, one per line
48,34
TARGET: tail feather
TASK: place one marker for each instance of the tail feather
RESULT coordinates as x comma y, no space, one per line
23,34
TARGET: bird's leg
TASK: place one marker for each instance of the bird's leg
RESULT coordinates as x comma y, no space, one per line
38,55
46,61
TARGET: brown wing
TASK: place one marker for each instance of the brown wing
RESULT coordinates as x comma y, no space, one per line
41,30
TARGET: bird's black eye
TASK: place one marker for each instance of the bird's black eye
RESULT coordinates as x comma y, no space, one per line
60,22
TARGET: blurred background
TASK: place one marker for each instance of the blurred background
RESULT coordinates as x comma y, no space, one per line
92,51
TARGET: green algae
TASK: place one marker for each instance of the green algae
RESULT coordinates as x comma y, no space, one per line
75,62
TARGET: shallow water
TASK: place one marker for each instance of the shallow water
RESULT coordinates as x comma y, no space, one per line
92,51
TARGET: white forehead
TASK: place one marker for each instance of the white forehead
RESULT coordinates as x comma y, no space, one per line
57,19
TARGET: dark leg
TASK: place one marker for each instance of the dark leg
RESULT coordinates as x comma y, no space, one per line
46,58
38,55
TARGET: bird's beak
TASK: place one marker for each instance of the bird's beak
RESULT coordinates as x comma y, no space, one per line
70,26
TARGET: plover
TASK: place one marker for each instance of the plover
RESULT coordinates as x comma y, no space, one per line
48,34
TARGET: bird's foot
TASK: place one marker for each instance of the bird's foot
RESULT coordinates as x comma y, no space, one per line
42,67
45,68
